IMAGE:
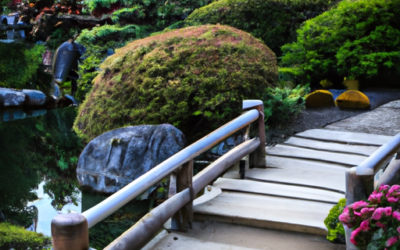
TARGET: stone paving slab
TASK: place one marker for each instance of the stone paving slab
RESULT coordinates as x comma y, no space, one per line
310,154
329,146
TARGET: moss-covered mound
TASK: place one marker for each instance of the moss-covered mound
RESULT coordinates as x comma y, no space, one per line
194,78
353,99
273,21
319,98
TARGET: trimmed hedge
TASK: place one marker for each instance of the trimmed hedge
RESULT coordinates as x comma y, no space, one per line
194,78
273,21
358,39
19,238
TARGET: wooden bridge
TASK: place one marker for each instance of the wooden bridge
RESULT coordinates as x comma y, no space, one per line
278,205
303,180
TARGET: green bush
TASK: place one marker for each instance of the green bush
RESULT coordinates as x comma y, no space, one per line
194,78
357,39
19,64
335,227
19,238
273,21
97,41
283,104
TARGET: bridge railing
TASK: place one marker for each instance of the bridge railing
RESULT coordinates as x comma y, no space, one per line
363,179
70,231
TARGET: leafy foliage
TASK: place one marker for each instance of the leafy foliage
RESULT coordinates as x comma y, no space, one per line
357,39
191,78
134,14
98,42
332,222
273,21
33,149
19,64
60,35
283,104
19,238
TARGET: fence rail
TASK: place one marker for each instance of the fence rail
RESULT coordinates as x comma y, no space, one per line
178,206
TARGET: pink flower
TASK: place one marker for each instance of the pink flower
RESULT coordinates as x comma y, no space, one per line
393,199
381,225
354,235
391,241
394,188
367,212
381,211
358,205
398,230
375,198
364,226
384,187
396,214
345,217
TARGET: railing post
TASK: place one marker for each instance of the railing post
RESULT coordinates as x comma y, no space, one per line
70,231
182,220
257,158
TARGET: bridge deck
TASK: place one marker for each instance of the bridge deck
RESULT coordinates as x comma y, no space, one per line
304,178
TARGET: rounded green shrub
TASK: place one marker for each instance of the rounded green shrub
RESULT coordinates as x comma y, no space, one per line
273,21
357,39
332,222
19,238
194,78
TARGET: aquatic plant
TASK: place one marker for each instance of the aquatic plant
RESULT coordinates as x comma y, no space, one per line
194,78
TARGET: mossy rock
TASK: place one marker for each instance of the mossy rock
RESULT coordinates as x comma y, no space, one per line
193,78
319,98
273,21
353,99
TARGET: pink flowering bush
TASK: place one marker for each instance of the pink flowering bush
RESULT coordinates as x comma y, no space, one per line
376,222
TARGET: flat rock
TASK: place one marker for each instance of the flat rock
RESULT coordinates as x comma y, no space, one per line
34,98
116,158
11,98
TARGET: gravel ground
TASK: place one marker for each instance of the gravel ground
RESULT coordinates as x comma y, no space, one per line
320,117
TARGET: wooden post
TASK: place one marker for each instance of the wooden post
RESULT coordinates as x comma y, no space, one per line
182,220
70,231
257,158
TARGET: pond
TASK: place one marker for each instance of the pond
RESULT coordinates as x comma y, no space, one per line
38,156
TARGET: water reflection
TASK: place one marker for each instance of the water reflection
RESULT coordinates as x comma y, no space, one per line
37,146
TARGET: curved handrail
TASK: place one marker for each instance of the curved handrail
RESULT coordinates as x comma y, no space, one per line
144,182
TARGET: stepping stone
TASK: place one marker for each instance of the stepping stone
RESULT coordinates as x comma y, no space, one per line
345,137
329,146
278,190
296,152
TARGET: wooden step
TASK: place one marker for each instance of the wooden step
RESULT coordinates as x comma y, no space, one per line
298,172
330,146
278,190
266,212
345,137
309,154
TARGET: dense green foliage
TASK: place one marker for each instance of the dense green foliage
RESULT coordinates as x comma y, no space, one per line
194,78
283,104
60,35
98,41
273,21
31,150
19,64
332,222
14,237
357,39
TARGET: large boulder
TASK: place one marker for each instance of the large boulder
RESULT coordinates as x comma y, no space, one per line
11,98
193,78
116,158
